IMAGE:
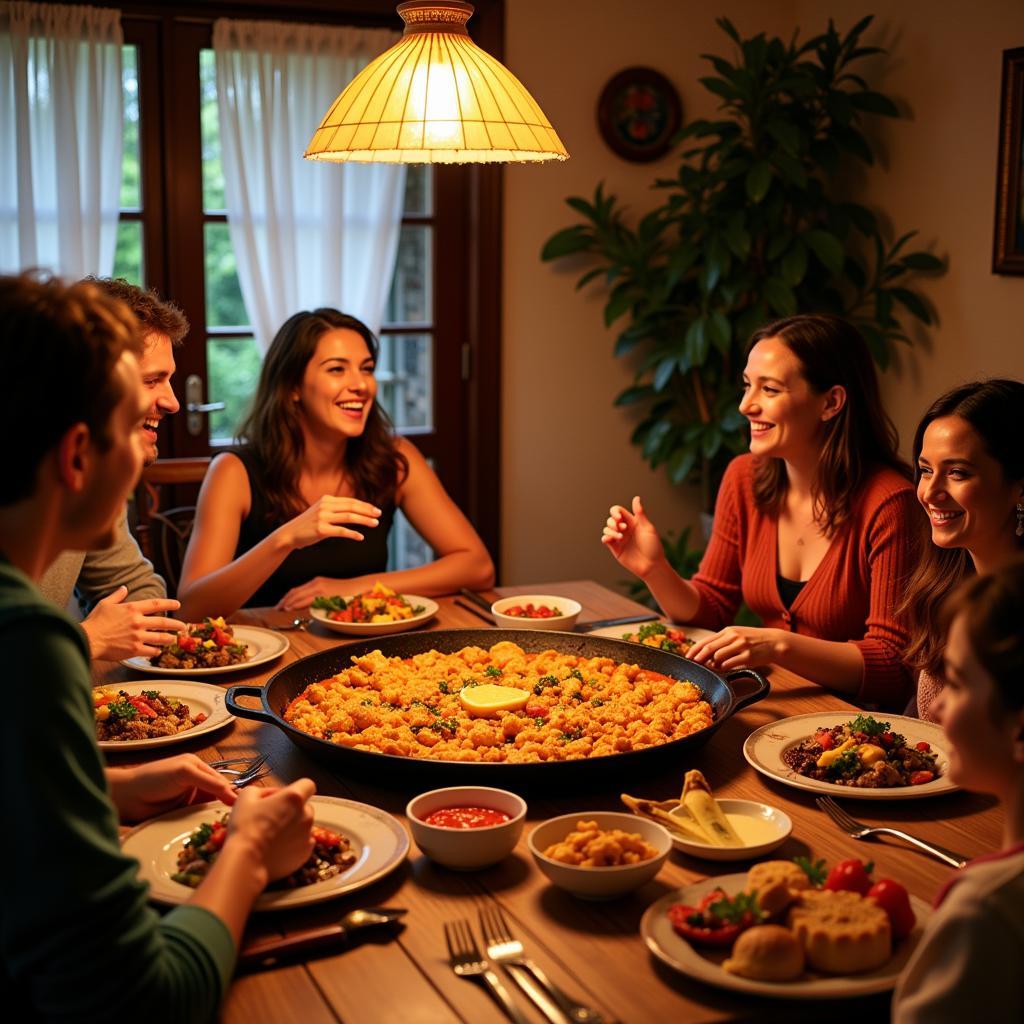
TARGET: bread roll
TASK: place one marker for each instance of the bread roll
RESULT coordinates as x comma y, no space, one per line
766,952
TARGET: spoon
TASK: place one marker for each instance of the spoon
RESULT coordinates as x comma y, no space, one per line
300,623
271,952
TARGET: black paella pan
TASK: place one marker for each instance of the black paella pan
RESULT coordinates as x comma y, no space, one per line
290,681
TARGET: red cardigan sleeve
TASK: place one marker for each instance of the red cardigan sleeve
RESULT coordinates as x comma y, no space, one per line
886,682
719,580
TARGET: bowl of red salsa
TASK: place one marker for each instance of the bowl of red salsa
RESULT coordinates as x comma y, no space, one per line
466,827
536,611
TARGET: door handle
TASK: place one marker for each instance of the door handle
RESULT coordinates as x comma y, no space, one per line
195,406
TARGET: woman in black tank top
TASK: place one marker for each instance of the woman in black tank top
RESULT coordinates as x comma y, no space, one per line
304,505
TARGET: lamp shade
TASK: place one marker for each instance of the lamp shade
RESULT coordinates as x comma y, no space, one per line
435,97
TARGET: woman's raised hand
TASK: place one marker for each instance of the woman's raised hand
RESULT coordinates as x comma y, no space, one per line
633,539
278,823
327,517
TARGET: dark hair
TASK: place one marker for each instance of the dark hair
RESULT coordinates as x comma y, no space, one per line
993,610
152,312
62,342
992,408
373,464
858,439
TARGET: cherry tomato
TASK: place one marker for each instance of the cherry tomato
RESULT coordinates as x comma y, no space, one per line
220,638
188,643
850,876
919,778
825,739
922,746
888,739
702,925
142,706
894,900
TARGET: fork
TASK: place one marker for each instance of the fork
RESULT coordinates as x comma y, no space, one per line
466,961
226,762
249,764
244,780
503,948
858,830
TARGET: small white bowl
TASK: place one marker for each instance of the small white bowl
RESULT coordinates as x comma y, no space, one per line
466,849
569,608
599,883
770,819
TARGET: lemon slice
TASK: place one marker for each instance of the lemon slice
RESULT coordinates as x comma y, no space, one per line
491,698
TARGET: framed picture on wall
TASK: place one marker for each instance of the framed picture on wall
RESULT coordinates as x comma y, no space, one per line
1008,251
638,114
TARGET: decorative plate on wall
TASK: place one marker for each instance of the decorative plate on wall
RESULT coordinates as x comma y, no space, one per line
638,114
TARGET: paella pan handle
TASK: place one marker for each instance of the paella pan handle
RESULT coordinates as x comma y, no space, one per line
762,690
239,710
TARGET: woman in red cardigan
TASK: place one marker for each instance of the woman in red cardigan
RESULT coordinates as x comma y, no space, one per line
814,528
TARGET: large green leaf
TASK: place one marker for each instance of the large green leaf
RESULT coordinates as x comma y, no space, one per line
826,247
874,103
913,303
759,180
780,296
566,242
923,261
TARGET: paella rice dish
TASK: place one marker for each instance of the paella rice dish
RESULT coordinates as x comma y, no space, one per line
547,706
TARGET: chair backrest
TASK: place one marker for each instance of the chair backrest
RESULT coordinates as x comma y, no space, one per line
163,533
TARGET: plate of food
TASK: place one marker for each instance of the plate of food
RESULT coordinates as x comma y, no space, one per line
356,845
856,756
661,635
213,647
137,716
377,611
773,932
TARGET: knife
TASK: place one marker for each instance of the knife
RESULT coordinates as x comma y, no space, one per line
272,952
622,620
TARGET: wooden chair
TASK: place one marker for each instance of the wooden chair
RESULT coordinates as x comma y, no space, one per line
163,533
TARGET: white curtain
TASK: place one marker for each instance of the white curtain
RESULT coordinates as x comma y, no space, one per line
305,234
60,137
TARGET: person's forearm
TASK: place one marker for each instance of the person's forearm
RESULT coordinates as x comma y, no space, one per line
445,576
226,589
235,880
678,598
837,665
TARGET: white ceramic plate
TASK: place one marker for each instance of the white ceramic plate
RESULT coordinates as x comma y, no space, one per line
764,748
779,823
695,633
378,840
671,948
201,698
264,645
379,628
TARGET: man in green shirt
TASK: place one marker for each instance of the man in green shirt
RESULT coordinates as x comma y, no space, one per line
79,941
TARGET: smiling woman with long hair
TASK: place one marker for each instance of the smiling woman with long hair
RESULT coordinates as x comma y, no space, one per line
304,506
969,463
811,527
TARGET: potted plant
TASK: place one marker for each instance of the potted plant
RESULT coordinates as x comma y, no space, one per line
754,226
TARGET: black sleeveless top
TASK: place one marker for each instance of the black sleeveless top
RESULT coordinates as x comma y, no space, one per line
335,556
788,589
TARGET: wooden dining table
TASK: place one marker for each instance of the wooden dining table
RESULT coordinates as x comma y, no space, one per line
593,950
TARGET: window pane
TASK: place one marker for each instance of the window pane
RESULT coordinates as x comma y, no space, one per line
419,180
224,304
233,370
406,548
213,175
128,254
405,377
412,285
131,190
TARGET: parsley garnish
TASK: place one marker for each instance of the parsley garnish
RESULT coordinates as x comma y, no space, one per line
868,725
493,671
816,870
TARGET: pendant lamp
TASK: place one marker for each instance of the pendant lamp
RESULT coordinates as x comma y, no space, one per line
435,97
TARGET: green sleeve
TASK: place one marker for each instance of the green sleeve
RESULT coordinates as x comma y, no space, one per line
79,938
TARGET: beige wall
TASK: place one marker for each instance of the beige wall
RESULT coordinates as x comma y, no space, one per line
565,452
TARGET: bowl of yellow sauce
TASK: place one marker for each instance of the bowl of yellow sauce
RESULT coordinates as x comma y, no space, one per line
760,827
